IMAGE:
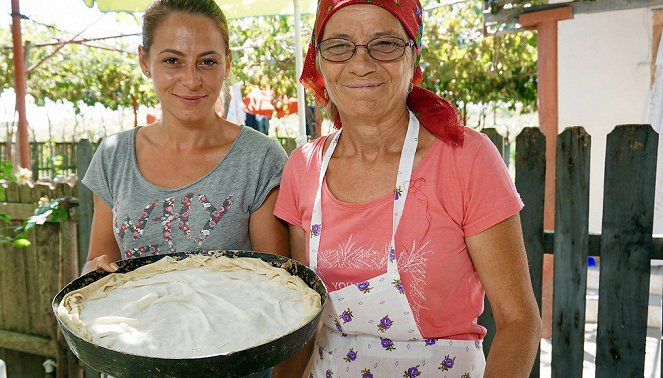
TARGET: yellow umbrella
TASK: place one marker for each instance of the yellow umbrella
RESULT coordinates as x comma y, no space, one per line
239,9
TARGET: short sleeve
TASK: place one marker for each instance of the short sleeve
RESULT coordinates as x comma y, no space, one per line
270,173
489,192
287,203
97,175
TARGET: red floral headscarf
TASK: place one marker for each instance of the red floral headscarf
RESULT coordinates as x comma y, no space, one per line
436,114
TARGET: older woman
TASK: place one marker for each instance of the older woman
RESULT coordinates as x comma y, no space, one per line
192,181
406,225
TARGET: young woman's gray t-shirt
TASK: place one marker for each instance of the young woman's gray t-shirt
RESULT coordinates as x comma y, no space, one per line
211,213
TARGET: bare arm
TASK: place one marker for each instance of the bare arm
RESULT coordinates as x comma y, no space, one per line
103,251
295,365
499,257
267,232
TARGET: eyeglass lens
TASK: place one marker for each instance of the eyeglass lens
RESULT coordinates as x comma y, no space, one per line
382,49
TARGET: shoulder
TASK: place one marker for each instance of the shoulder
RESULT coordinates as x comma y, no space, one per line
474,145
257,141
474,140
476,159
123,135
309,153
117,143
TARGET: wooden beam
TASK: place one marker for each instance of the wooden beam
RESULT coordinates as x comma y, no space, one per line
42,346
18,211
545,23
512,15
533,19
612,5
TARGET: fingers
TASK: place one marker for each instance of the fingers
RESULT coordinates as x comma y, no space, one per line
104,262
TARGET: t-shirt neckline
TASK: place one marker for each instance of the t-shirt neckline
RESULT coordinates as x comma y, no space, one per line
388,197
134,161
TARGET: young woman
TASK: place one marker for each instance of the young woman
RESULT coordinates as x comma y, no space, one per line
191,181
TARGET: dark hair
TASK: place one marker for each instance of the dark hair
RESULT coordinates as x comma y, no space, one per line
160,9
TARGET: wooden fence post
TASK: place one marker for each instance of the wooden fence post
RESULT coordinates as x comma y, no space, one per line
84,152
28,281
68,365
85,206
570,251
626,249
530,182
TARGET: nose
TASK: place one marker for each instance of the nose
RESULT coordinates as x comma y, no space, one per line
361,63
191,77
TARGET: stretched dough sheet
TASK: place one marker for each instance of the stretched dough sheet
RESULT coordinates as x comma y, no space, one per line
196,307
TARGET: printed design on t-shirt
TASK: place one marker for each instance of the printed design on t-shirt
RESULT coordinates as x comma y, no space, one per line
136,230
143,251
215,214
169,217
167,221
411,264
352,256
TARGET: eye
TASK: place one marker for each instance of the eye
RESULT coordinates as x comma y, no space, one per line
387,44
170,60
337,47
208,62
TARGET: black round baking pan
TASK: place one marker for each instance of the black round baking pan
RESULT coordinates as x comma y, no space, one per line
237,364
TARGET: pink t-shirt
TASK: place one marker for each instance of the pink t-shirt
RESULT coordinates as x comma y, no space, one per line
455,192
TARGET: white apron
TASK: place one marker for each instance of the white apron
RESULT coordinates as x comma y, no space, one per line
369,330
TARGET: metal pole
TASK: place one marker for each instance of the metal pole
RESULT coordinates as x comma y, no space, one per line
20,87
301,102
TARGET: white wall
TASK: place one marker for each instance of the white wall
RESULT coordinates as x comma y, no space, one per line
604,80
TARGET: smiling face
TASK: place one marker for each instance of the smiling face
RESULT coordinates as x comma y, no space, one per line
363,86
188,64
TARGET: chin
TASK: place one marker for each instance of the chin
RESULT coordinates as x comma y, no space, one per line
362,108
191,116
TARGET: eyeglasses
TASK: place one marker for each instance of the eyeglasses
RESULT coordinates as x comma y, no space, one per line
383,49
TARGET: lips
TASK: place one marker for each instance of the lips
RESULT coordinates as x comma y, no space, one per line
363,85
192,100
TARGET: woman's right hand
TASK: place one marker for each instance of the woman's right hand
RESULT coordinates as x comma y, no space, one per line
105,262
103,250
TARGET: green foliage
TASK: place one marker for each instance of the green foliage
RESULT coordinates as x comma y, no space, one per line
459,62
77,73
47,211
463,65
6,174
51,211
496,6
264,52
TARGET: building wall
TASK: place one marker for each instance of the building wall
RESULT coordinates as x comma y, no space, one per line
604,80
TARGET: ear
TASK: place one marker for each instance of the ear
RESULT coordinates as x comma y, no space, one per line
229,59
142,60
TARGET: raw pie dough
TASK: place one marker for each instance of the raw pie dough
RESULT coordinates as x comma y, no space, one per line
196,307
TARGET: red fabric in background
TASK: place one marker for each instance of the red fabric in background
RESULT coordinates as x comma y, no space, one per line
259,102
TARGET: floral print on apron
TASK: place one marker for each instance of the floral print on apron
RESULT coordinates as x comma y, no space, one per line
369,330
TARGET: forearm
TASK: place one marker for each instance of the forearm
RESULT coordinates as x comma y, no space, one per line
514,348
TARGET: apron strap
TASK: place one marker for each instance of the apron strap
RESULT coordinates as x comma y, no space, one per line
405,167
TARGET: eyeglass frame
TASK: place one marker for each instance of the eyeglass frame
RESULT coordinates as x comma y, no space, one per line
408,43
